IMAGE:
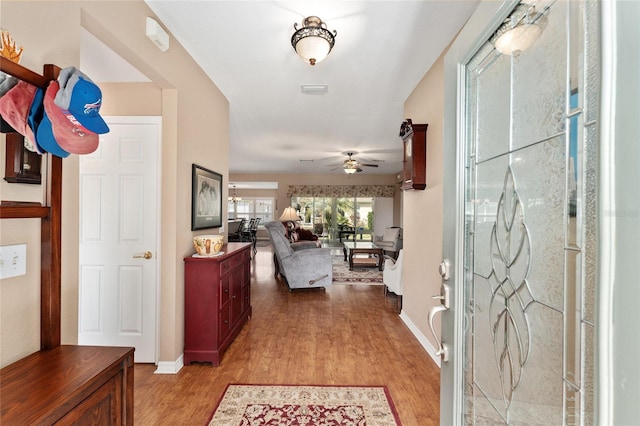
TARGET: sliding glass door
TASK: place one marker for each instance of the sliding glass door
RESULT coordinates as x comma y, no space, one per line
336,219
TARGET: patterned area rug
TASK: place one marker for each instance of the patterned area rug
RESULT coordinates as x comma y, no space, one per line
342,274
305,406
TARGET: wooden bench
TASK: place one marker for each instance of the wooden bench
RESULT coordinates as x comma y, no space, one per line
69,385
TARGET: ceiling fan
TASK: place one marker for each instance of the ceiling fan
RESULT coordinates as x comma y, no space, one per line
351,166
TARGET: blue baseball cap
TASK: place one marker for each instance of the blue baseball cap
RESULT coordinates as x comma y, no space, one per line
82,98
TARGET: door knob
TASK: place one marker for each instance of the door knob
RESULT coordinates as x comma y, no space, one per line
146,255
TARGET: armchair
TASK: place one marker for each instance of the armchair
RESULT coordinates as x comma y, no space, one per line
392,277
302,265
390,240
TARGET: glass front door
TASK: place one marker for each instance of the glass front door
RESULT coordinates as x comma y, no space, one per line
527,221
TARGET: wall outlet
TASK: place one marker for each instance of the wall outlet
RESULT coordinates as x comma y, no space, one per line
13,261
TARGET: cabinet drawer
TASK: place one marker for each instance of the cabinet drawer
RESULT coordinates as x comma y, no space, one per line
226,266
225,323
225,290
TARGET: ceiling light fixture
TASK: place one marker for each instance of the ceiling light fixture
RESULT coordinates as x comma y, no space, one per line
350,171
313,41
520,30
234,199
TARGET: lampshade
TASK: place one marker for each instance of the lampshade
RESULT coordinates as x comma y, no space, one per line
350,171
313,41
520,30
289,214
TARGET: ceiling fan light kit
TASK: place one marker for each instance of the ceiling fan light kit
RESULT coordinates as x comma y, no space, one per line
313,41
351,166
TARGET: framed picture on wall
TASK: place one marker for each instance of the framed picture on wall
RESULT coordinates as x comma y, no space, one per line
206,198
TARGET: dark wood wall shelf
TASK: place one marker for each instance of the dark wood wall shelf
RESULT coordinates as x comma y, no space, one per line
22,210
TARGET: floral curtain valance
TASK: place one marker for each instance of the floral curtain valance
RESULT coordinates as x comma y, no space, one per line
338,191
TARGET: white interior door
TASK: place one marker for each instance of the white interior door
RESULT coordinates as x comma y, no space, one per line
119,216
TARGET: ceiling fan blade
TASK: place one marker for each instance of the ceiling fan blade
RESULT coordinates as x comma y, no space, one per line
368,165
358,170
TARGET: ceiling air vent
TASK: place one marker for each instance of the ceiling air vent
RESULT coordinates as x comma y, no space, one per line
314,89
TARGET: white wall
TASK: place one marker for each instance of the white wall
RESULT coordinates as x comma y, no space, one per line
383,217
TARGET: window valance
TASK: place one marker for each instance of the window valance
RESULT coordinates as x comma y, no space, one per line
340,191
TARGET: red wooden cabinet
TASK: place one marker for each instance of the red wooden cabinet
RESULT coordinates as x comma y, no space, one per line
217,302
414,169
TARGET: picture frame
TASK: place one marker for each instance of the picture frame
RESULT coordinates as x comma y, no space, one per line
206,198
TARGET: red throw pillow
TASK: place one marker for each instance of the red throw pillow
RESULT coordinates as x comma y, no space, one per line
307,235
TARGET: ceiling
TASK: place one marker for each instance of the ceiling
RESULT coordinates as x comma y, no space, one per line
382,50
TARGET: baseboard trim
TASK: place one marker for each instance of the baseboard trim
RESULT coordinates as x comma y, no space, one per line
168,367
421,338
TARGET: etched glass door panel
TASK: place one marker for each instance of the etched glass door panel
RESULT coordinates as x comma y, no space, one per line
530,219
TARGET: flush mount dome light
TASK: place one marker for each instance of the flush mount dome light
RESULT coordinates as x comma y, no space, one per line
520,30
313,41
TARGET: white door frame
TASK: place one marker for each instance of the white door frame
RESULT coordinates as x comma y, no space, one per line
486,18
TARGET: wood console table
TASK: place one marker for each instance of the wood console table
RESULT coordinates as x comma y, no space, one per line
217,298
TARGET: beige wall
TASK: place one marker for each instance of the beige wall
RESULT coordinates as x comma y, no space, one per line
180,92
422,210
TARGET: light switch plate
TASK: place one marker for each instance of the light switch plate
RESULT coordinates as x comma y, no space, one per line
13,261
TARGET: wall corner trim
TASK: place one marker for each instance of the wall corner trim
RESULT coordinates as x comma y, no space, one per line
169,367
421,338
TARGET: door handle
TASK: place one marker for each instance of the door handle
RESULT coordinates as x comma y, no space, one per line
442,350
146,255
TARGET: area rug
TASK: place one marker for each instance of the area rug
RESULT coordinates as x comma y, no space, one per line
275,405
342,274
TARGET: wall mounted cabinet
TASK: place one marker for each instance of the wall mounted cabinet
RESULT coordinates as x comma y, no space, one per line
414,163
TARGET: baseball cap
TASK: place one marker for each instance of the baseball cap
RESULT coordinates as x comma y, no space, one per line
63,132
33,120
15,106
81,97
7,82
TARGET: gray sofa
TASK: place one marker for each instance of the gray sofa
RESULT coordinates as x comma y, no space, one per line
303,265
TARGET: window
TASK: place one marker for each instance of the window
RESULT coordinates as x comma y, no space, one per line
248,207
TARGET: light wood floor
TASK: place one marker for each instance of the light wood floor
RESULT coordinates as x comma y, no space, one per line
345,335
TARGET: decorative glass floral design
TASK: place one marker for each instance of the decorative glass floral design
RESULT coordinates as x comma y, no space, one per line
511,296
